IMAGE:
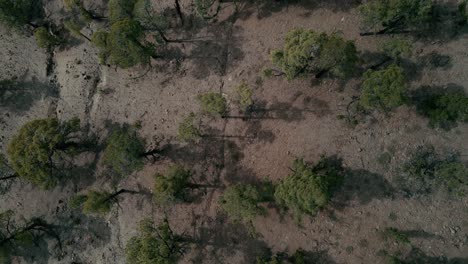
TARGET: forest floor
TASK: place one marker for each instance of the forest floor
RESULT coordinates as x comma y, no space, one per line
299,119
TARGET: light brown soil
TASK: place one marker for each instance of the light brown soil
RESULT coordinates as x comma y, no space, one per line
301,121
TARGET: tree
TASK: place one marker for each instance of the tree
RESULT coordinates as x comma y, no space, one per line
16,13
187,130
122,45
120,10
97,202
37,151
396,48
124,151
444,109
213,103
241,203
74,27
394,16
154,244
244,94
308,189
306,51
170,188
45,39
383,89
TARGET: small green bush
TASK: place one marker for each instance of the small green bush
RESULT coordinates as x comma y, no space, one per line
396,48
170,188
213,103
244,94
124,152
395,235
154,244
383,89
444,109
241,202
187,130
308,189
45,39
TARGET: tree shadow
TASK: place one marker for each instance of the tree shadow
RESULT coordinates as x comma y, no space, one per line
416,255
435,60
362,186
420,234
447,25
19,95
215,55
267,8
218,238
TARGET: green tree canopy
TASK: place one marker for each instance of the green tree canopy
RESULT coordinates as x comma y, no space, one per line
245,96
123,44
445,108
16,13
308,189
387,16
241,202
396,48
188,131
171,187
306,51
154,244
124,151
45,39
36,151
383,89
213,103
120,9
97,202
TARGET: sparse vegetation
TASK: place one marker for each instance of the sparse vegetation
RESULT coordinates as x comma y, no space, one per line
308,52
391,233
97,202
396,48
245,96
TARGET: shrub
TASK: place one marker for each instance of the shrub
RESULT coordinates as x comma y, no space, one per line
389,16
97,202
396,48
45,39
120,10
306,51
308,189
124,151
36,152
187,130
244,94
213,103
426,170
383,89
395,235
445,109
241,202
154,244
170,188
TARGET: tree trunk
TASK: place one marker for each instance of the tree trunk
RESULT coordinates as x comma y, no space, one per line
29,227
119,192
198,186
9,177
179,12
86,37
